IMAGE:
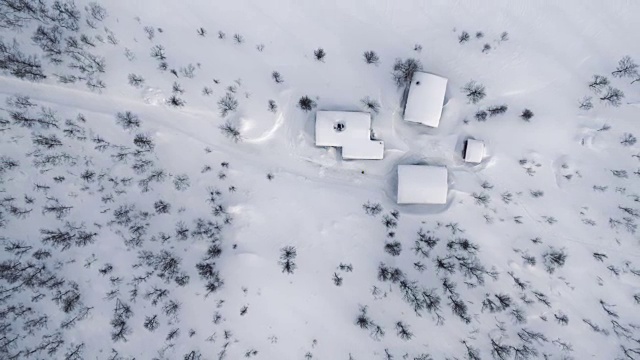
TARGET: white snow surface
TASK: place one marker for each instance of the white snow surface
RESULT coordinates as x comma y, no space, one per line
425,99
354,138
422,184
567,180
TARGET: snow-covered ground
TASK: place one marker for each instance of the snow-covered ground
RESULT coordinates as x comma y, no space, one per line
213,228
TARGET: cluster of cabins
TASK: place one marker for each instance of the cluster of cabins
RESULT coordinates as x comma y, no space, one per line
417,184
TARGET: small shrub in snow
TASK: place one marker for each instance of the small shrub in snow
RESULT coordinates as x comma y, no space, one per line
620,173
486,48
319,54
562,318
277,77
287,259
526,115
128,120
371,105
231,131
372,208
272,106
337,279
537,193
389,222
481,115
188,71
554,259
202,32
393,248
403,70
370,57
136,80
306,103
585,103
162,207
150,31
463,37
227,104
175,101
181,182
221,35
482,198
158,53
479,35
238,39
206,91
497,110
403,331
176,88
628,140
504,36
474,92
144,142
363,320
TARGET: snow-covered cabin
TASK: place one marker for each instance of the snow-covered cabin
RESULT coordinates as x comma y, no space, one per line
350,130
422,184
425,99
473,151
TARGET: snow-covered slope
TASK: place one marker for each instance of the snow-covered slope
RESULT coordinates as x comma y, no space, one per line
161,196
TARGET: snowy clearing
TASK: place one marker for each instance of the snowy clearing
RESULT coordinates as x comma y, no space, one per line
162,195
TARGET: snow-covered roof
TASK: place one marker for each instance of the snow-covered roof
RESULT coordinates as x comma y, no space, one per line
422,184
426,98
350,130
474,151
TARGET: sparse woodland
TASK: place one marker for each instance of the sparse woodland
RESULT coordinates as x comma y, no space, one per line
129,233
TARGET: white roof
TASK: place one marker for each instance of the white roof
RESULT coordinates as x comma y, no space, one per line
426,98
421,184
474,151
355,137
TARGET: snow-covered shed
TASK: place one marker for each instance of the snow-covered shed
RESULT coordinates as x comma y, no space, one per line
350,130
473,151
422,184
425,99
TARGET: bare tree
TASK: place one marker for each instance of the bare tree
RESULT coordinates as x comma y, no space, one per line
231,131
128,120
16,63
403,70
227,104
474,92
306,103
598,83
626,68
612,96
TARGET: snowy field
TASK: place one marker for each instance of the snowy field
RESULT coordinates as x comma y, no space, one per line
162,197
